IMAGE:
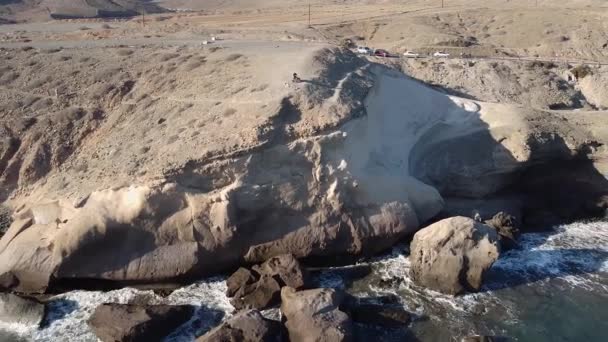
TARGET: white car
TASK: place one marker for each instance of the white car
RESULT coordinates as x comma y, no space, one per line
364,50
441,54
410,54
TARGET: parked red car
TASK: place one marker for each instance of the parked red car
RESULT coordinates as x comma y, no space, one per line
381,53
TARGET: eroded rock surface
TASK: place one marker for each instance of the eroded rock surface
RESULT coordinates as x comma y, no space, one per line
245,326
314,315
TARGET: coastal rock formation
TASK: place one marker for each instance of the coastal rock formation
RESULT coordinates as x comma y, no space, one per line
314,315
452,255
133,323
341,166
14,309
245,326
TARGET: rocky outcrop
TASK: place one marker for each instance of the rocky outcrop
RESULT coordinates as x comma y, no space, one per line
14,309
245,326
314,315
132,323
452,255
260,287
506,227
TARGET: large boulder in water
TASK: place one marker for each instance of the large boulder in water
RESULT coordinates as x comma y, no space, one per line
245,326
132,323
314,315
452,255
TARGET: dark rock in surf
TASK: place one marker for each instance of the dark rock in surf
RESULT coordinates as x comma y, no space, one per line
260,287
507,229
383,311
265,293
381,315
246,326
134,323
239,279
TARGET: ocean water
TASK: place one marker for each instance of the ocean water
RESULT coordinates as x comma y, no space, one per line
553,287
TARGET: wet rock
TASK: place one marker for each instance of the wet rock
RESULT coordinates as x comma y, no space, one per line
452,255
246,326
286,268
241,278
507,229
15,309
383,311
265,293
382,315
260,287
124,322
314,315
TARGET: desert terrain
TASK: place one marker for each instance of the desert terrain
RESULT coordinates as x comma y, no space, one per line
144,143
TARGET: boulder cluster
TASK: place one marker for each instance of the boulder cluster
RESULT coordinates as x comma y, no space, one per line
308,314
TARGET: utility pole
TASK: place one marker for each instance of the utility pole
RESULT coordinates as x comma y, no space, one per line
441,3
143,15
309,26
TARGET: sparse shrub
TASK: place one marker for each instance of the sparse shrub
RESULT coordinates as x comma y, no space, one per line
84,28
238,90
106,26
124,52
168,56
98,91
581,71
8,77
259,88
233,57
229,112
541,64
106,74
70,114
51,50
192,65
